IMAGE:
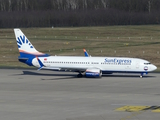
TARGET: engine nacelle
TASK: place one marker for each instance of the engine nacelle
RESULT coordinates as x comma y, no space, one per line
93,72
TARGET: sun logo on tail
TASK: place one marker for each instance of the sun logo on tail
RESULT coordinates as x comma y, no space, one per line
23,42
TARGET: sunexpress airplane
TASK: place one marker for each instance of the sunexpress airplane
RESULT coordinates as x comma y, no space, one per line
85,66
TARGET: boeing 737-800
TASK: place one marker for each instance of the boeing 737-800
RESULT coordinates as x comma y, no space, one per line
87,66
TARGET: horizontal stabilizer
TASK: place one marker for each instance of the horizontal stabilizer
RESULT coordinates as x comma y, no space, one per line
22,59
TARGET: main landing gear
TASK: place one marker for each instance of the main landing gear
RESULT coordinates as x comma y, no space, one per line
79,75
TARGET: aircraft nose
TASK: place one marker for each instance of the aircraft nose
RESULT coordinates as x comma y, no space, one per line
154,67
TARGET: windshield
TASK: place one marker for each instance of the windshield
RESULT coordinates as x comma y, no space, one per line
147,63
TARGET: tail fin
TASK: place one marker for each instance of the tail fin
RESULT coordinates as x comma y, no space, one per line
26,49
24,45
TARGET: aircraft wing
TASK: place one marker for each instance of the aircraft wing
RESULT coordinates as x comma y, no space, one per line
75,69
65,69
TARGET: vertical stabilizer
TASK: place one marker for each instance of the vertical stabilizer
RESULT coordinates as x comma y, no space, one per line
24,45
26,49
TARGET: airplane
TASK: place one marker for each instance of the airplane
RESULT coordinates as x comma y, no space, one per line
85,66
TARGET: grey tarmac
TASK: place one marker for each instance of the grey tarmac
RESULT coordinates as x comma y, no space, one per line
28,94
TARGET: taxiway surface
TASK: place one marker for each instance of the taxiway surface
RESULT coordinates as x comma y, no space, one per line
39,95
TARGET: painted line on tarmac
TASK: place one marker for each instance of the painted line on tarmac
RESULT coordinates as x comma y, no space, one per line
139,108
132,108
135,114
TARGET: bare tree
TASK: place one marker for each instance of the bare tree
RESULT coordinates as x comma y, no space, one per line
44,13
149,5
9,5
104,3
25,4
3,6
72,4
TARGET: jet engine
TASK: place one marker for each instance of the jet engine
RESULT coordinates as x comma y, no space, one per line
93,72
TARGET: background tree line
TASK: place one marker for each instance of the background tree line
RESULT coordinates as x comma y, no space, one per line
47,13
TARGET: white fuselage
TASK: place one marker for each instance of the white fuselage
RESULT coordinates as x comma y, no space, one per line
105,64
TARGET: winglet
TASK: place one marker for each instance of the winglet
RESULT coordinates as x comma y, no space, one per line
85,53
40,63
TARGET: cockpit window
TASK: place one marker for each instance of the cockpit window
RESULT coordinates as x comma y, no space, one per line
147,63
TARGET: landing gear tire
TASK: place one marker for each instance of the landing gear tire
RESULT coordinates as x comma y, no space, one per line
79,75
100,75
141,76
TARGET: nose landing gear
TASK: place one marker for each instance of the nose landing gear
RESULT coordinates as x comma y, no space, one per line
141,76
